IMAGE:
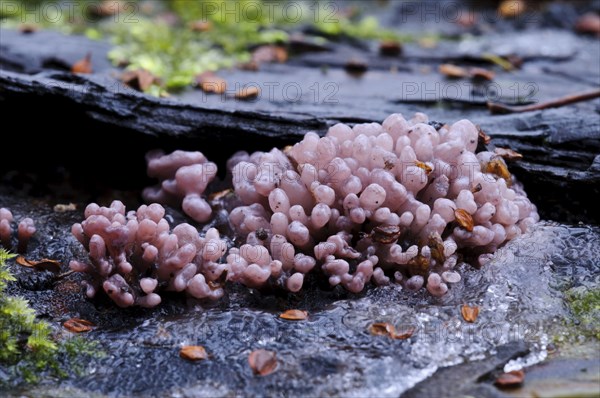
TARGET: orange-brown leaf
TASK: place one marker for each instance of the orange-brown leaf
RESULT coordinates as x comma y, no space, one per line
382,329
44,264
269,53
510,379
511,8
424,166
453,71
386,233
84,65
201,26
211,83
139,79
469,313
482,73
390,48
498,167
294,315
262,362
248,93
508,154
193,352
464,219
483,137
77,325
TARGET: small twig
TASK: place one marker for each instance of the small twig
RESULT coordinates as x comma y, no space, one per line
496,108
64,274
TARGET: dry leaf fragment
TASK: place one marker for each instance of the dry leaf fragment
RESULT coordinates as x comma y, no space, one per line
27,28
481,74
510,379
456,72
469,313
482,136
269,53
193,352
511,8
44,264
464,219
588,23
498,167
201,26
211,83
508,154
424,166
77,325
248,93
84,65
294,315
356,67
63,208
390,48
385,234
139,79
453,71
388,330
382,329
262,362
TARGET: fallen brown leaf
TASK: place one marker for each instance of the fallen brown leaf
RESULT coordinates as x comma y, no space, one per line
390,48
382,329
356,67
481,74
63,208
28,28
483,137
211,83
456,72
44,264
294,315
424,166
385,234
107,8
201,26
248,93
498,167
139,79
84,65
469,313
464,219
588,23
453,71
477,188
193,352
77,325
269,53
511,8
510,379
262,362
508,154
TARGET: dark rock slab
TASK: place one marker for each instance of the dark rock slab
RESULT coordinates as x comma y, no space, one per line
463,379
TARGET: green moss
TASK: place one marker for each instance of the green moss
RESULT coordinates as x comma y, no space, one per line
585,306
27,347
25,344
174,52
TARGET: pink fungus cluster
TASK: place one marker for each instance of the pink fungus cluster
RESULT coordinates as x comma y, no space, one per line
398,202
25,230
134,255
183,179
